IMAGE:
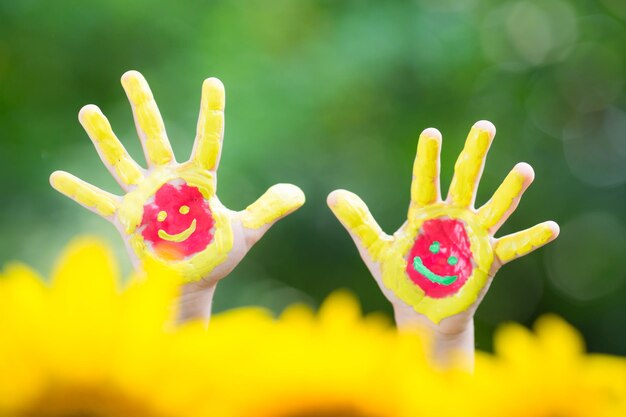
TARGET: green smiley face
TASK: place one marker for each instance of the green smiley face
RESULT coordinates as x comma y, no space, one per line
434,249
418,265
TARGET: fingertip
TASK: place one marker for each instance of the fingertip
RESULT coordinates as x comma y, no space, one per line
214,94
55,177
136,87
335,197
131,75
87,112
486,126
431,133
289,192
213,83
525,170
277,202
331,200
554,227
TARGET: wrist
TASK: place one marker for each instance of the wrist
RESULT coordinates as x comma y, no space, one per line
451,327
451,340
195,302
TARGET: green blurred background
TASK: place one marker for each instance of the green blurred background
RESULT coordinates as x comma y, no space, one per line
332,94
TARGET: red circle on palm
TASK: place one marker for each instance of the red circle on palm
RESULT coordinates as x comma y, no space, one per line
440,261
197,222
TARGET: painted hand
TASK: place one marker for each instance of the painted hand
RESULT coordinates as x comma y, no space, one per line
441,261
170,214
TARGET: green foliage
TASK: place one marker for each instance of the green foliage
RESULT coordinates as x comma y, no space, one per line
333,94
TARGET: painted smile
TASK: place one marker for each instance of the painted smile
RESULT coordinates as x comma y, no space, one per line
423,269
178,237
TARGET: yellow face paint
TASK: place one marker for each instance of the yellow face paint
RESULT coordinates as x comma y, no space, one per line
279,200
394,266
519,244
89,196
200,264
425,186
109,147
355,216
190,232
148,119
210,129
502,201
131,209
441,259
179,237
469,165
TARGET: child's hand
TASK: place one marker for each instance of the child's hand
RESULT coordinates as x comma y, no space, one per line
440,263
170,214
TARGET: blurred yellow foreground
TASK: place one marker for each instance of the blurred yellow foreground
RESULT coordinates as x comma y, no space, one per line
86,345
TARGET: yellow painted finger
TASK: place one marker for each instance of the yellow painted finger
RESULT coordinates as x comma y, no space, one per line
522,243
469,165
357,219
210,130
277,202
507,197
425,185
93,198
111,151
148,120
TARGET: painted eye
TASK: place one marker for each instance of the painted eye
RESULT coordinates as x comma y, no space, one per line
434,247
161,216
183,209
453,260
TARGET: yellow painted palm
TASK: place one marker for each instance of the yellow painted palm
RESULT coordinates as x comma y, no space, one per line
442,259
170,213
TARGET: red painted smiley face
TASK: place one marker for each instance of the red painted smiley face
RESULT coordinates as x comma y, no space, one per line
178,223
440,261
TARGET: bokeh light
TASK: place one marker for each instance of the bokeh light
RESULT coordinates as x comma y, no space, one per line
585,263
594,147
591,78
333,94
521,34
